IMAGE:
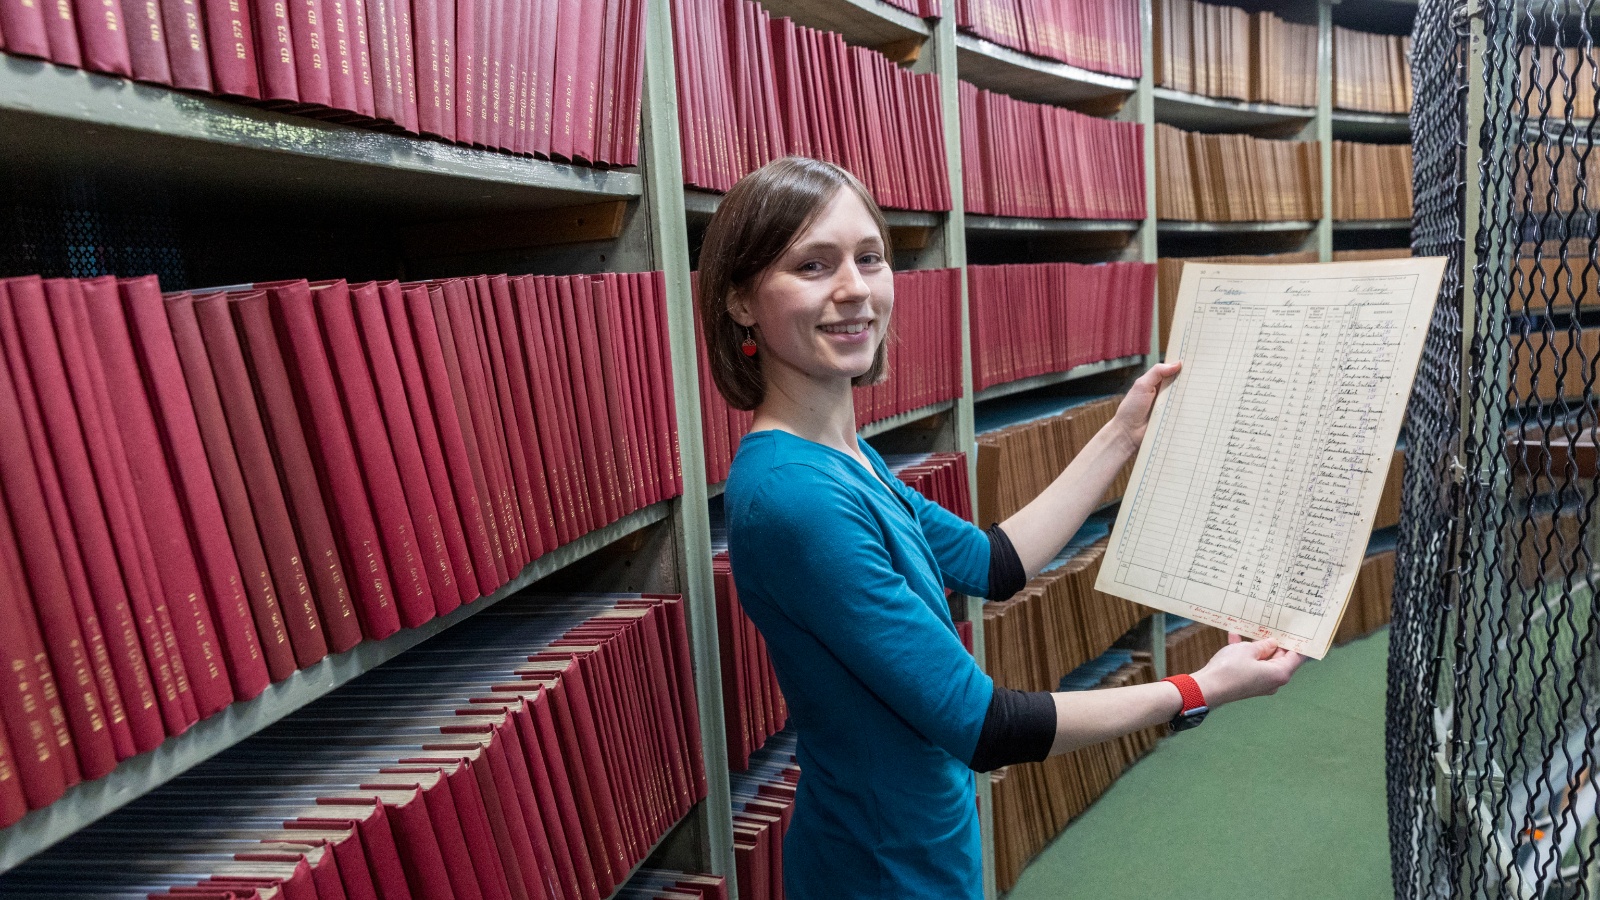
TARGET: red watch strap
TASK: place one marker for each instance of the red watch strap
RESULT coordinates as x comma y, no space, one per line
1190,689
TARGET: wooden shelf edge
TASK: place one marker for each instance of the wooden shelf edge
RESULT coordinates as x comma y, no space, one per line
42,93
873,429
134,777
1006,389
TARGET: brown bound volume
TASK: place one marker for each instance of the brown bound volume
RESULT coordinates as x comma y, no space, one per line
264,494
413,474
374,455
152,336
462,520
158,508
61,630
332,454
150,635
283,439
460,443
30,709
235,500
90,569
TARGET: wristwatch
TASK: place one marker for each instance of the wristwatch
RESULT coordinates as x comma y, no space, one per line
1194,704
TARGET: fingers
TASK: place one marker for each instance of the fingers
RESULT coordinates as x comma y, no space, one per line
1235,637
1264,648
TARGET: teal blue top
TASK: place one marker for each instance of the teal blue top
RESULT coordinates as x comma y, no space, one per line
845,575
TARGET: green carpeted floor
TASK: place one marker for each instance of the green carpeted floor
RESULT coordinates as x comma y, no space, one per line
1274,797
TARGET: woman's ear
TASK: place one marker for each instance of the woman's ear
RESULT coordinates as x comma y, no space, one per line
739,309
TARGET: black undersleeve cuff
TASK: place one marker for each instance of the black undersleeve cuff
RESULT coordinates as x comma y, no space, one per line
1019,727
1006,575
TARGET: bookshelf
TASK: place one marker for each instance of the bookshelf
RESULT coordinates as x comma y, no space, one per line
66,123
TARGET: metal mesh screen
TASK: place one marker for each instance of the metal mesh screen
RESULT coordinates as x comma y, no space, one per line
1493,679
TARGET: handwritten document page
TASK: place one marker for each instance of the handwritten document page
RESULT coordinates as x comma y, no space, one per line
1258,481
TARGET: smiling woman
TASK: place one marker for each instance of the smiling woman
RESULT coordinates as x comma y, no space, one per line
844,568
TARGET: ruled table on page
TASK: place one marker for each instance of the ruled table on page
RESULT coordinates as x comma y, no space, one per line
1256,486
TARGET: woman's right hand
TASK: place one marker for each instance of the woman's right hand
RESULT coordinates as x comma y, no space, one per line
1245,669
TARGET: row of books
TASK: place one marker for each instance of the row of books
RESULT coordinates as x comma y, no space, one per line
1045,162
207,493
1371,72
1038,318
1034,801
1542,184
753,705
1224,51
924,366
1023,444
752,88
1373,594
559,80
1170,273
763,805
1099,35
1551,79
1552,362
1055,624
1191,645
670,884
1235,178
539,749
1371,181
1546,282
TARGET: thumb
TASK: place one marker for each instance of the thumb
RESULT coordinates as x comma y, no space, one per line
1264,648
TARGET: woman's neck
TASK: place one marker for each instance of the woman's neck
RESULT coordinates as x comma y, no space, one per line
824,414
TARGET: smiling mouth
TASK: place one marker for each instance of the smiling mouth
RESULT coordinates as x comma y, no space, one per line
855,328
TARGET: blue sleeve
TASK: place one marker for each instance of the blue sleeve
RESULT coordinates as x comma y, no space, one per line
826,567
960,546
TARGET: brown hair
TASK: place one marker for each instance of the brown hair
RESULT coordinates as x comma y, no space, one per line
755,223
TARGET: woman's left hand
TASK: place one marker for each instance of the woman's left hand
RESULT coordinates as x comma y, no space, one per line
1133,414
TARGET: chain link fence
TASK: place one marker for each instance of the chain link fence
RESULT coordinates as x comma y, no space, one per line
1493,678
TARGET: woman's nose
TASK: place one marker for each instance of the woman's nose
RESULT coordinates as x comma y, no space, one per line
852,285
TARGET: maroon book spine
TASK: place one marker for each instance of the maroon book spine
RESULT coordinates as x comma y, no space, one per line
430,106
407,450
275,49
174,409
544,76
81,536
380,38
510,360
361,58
588,391
234,501
230,34
158,510
102,37
187,54
30,710
465,71
147,41
338,53
422,362
643,406
531,358
514,418
286,437
447,65
362,414
109,459
306,32
61,31
335,456
408,65
560,381
263,491
23,23
613,372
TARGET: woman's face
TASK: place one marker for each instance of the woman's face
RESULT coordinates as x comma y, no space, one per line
821,310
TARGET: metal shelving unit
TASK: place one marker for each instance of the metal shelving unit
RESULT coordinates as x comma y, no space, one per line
1372,225
996,68
899,420
1349,125
1196,112
871,23
1011,225
1175,227
995,392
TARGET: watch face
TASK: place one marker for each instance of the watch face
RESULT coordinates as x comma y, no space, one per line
1186,721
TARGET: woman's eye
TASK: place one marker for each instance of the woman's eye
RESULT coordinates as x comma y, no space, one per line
871,259
810,267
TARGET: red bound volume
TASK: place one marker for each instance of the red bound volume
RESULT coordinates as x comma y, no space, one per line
265,494
460,446
489,22
23,22
408,64
516,413
446,17
380,38
568,789
332,453
274,49
407,450
152,627
586,396
282,435
374,455
157,508
466,72
609,370
361,58
664,431
456,311
30,709
152,336
310,52
585,472
233,50
430,107
147,42
551,412
102,36
472,343
187,54
61,31
237,510
636,406
395,324
89,567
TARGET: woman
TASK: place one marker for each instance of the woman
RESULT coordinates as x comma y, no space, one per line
843,568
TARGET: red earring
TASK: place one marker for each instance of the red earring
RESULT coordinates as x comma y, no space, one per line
748,345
